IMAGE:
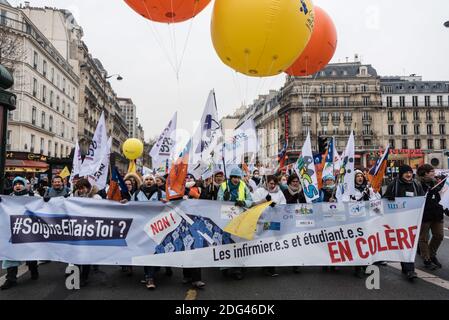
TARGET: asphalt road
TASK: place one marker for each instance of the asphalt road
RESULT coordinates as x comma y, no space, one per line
311,283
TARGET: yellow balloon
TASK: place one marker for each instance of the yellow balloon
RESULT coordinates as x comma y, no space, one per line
261,38
133,149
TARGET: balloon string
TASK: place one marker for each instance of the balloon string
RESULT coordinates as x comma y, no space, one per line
158,40
188,35
237,84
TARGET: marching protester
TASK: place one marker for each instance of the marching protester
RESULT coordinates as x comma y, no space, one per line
283,182
433,218
84,189
256,177
327,193
235,190
129,192
149,191
294,193
249,182
270,192
193,188
210,192
363,192
19,185
57,189
405,186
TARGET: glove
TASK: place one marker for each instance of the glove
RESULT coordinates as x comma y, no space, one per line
391,198
240,204
227,196
273,204
268,198
67,195
446,212
47,199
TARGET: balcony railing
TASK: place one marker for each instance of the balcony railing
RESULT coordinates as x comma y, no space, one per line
414,105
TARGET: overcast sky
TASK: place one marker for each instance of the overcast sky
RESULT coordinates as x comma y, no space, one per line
397,37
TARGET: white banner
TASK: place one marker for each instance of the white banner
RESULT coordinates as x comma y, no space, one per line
190,233
305,169
99,179
94,158
242,142
77,162
163,151
346,179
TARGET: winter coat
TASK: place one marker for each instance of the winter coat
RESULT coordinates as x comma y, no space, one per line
210,192
154,194
8,263
53,193
277,196
296,198
93,194
433,210
399,189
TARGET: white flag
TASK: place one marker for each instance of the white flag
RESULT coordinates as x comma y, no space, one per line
163,151
94,158
346,183
77,162
445,195
243,141
100,177
207,135
305,169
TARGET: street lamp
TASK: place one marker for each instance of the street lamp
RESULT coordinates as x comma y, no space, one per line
7,103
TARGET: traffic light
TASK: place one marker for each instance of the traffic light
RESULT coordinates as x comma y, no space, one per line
322,144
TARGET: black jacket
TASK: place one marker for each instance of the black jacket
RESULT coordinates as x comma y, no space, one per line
433,210
210,193
294,199
398,189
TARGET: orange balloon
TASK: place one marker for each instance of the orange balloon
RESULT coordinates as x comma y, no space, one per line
320,49
168,11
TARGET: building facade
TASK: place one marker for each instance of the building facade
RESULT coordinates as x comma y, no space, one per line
406,112
47,89
96,94
415,121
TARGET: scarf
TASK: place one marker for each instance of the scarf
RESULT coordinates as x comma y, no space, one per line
21,193
292,191
149,191
234,190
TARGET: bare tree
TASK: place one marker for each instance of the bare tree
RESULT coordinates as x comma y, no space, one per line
12,50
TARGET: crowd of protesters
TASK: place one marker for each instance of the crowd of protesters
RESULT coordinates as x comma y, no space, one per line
246,190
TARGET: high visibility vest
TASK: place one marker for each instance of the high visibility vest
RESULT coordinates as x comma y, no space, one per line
242,187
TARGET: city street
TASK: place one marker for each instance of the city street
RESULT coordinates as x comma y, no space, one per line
311,283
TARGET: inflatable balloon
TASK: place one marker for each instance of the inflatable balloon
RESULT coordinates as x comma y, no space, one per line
260,37
168,11
133,149
320,49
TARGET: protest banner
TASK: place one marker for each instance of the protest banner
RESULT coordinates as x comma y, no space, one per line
190,233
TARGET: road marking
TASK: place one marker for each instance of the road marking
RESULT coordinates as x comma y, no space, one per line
22,270
430,278
191,295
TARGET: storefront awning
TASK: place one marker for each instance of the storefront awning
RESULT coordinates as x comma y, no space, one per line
26,166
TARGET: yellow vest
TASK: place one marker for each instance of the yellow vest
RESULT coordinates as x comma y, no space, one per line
242,187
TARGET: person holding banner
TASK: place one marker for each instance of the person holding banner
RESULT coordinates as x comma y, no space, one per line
363,192
57,189
405,186
270,192
84,189
149,191
327,193
294,193
433,218
235,190
210,192
12,267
